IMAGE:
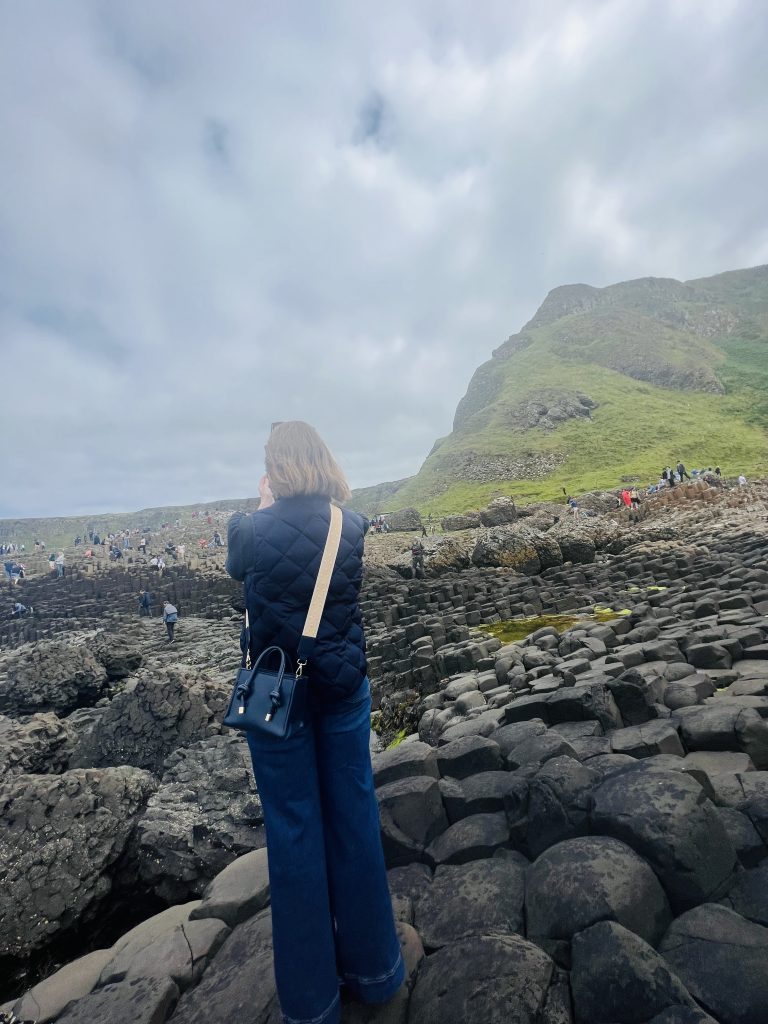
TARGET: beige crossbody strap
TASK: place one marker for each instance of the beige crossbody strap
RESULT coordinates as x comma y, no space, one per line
323,582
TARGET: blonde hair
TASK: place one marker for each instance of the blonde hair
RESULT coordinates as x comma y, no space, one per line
298,461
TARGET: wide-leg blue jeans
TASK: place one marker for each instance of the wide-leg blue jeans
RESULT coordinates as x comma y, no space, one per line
332,918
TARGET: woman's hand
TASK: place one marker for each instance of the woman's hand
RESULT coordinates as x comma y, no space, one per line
265,493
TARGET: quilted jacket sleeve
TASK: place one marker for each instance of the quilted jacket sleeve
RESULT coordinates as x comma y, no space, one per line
240,545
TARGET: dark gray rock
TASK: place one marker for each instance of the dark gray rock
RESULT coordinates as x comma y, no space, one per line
465,521
478,836
182,954
404,760
50,675
205,813
467,756
668,820
155,714
480,898
722,726
120,656
584,703
46,1000
140,1001
415,806
493,979
403,520
559,798
538,749
479,794
238,892
581,881
509,736
709,655
41,744
510,547
239,985
61,839
723,961
645,740
616,976
499,512
749,895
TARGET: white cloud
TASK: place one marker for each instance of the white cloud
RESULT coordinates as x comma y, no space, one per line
217,215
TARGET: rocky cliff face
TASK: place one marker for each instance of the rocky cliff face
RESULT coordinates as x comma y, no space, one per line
610,382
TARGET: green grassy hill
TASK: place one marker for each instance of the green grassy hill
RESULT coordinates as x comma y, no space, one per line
604,383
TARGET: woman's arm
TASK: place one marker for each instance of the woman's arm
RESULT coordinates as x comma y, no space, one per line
239,545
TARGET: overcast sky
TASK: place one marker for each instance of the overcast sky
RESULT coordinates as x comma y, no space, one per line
218,214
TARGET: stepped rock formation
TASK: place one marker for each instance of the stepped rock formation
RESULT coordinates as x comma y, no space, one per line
575,821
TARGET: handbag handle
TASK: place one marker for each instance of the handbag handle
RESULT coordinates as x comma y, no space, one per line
319,596
243,689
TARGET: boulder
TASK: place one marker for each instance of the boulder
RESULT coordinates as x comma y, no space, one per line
495,979
403,520
579,550
160,711
239,985
559,797
479,898
467,756
509,547
722,959
594,878
415,807
465,521
40,744
238,892
120,656
666,818
721,726
181,953
645,740
499,512
205,813
50,675
479,835
403,761
749,895
140,1001
46,1000
616,976
61,839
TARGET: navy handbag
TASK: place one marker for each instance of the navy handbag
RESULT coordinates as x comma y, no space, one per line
270,696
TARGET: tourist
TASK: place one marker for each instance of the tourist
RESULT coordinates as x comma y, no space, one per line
742,480
170,617
417,559
143,545
634,497
682,472
59,563
19,610
717,471
145,602
332,915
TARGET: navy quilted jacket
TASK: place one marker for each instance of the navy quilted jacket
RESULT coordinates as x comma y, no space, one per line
277,552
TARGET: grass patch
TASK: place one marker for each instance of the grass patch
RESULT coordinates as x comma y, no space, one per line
512,630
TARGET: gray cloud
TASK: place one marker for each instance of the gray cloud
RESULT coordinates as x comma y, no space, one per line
217,215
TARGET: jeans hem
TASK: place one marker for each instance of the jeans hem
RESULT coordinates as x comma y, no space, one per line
378,988
314,1020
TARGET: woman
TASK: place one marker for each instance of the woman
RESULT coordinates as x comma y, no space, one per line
332,920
